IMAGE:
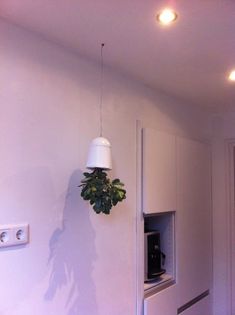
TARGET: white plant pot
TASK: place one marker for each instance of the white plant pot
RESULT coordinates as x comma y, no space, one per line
99,155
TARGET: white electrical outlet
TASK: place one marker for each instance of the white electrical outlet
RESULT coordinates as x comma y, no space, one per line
13,235
5,237
21,234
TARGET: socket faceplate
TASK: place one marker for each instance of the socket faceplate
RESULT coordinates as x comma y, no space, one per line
13,235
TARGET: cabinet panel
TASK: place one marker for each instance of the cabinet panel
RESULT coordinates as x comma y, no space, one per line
163,302
202,307
193,227
159,171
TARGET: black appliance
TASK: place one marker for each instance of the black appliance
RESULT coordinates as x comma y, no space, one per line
154,257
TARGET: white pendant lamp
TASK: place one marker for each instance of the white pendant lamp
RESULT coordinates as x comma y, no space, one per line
99,155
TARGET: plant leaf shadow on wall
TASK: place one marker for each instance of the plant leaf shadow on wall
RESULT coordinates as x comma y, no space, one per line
72,255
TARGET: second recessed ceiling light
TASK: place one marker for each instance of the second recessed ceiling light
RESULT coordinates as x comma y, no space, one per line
231,76
166,16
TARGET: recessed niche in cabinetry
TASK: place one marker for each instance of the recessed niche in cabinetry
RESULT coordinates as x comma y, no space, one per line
159,245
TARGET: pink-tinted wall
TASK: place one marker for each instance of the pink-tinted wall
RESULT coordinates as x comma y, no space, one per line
77,262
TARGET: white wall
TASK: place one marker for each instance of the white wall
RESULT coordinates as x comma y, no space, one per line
77,262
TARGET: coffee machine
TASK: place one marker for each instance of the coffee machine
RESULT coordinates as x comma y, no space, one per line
154,257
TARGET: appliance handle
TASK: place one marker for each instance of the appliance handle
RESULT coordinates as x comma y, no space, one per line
163,256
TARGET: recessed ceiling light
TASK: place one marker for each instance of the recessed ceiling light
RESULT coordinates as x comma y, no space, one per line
231,76
166,16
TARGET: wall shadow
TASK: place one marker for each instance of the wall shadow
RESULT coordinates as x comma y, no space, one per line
73,253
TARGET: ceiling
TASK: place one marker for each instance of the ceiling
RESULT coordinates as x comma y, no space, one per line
189,60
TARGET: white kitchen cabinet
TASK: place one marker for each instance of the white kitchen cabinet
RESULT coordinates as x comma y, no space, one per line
161,303
193,221
176,175
159,171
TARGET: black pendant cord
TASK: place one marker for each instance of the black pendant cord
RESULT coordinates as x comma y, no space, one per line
101,89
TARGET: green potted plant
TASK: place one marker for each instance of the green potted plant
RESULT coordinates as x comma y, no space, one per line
100,191
97,188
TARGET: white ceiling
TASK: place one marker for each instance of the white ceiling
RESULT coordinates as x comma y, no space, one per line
190,59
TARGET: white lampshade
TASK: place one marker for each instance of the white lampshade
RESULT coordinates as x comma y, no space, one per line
99,155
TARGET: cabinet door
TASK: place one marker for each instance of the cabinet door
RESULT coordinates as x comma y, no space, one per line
161,303
193,221
202,307
159,171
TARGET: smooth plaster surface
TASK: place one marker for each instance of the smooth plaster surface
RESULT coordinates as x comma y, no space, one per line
77,262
